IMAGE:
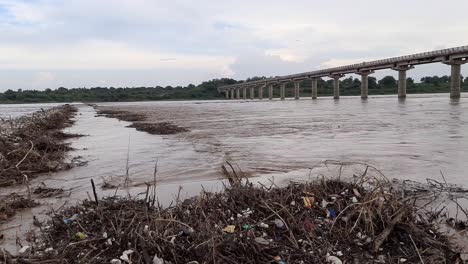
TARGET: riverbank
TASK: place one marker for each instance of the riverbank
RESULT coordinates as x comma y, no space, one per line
364,220
33,144
29,146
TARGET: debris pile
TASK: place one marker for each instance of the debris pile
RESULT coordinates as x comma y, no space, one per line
319,221
34,144
161,128
121,115
13,202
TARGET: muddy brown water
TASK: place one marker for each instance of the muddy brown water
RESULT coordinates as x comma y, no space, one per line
413,139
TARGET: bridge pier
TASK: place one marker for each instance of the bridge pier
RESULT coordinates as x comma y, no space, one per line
455,77
282,88
244,93
364,83
314,88
336,85
260,92
270,91
252,93
402,79
297,86
227,94
232,94
238,93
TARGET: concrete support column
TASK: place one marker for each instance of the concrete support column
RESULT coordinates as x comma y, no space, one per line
402,79
252,93
401,84
314,88
260,92
282,88
227,94
364,86
232,93
238,93
270,91
364,83
455,77
336,85
297,86
244,93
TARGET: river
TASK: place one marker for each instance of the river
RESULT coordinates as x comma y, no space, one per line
418,138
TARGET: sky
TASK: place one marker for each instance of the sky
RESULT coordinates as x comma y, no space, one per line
129,43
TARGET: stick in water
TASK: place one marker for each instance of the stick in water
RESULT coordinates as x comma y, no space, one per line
94,192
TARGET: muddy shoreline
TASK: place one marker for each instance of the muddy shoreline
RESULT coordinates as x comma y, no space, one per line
29,146
319,221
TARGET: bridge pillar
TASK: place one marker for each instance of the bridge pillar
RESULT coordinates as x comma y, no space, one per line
314,88
252,93
238,93
282,88
455,77
232,93
227,94
364,83
336,85
244,92
402,79
270,91
297,86
260,92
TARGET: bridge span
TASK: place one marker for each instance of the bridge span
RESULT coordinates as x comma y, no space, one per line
454,57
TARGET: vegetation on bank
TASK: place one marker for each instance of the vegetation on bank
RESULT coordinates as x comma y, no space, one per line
34,144
208,90
363,220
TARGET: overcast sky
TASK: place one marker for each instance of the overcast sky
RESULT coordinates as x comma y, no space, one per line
85,43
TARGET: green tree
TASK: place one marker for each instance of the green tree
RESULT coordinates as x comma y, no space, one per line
388,82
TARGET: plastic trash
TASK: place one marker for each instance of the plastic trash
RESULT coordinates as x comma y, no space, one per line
24,250
279,223
116,261
278,260
246,213
80,236
263,225
157,260
354,199
125,258
246,227
331,213
229,229
334,260
262,241
186,231
125,254
308,202
72,219
324,204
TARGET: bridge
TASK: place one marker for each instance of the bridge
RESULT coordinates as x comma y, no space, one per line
454,57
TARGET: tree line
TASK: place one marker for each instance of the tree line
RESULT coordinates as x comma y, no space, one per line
208,90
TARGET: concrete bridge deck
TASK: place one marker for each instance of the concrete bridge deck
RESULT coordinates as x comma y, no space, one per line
454,57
